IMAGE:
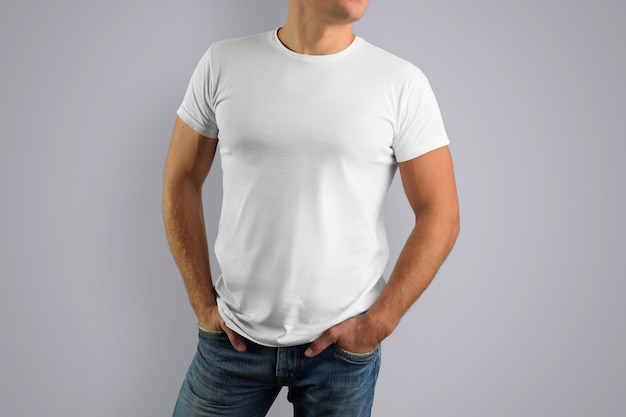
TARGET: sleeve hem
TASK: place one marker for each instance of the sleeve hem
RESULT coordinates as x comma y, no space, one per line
414,153
209,132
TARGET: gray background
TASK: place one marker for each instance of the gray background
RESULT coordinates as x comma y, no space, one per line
525,318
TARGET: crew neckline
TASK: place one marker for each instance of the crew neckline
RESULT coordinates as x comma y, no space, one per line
306,57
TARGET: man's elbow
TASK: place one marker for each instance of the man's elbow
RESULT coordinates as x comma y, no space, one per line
455,228
446,220
452,221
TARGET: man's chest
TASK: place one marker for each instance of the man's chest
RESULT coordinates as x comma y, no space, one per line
312,113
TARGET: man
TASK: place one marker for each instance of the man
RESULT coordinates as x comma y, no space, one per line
312,123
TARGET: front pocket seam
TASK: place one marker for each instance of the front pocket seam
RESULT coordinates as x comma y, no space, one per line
346,354
210,331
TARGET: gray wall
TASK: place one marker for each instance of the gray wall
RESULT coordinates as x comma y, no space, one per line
526,316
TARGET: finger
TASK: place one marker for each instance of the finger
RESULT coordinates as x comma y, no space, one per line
319,344
238,342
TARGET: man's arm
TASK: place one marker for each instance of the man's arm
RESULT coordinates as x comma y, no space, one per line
188,163
429,185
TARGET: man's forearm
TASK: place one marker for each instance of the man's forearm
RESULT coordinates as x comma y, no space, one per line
429,243
184,225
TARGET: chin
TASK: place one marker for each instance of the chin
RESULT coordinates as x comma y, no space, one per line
356,9
348,10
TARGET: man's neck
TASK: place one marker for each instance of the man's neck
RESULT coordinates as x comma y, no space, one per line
310,36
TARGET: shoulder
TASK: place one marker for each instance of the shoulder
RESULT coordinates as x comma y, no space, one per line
393,66
238,46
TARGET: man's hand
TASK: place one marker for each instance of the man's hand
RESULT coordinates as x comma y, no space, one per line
212,321
356,335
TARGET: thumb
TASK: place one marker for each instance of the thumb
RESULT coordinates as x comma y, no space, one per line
238,342
318,345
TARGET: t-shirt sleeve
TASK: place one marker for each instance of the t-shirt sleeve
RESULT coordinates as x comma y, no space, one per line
197,107
419,128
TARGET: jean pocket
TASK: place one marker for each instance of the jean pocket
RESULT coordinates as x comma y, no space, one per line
210,332
355,357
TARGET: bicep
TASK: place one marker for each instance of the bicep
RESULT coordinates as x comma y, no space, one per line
190,155
429,184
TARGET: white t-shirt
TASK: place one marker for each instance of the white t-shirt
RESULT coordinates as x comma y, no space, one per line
308,147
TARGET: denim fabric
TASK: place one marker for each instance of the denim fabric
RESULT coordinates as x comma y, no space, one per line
224,382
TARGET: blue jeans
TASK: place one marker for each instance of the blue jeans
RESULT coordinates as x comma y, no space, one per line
224,382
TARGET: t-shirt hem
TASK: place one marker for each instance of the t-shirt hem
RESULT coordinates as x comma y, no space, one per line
269,337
